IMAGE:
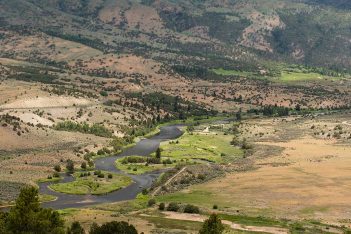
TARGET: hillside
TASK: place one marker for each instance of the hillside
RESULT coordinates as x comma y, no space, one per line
274,29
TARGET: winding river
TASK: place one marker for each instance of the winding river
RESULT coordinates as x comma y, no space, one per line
143,148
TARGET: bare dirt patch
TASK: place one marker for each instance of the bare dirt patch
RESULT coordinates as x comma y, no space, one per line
46,102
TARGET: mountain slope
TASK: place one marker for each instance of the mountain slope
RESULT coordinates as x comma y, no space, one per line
274,29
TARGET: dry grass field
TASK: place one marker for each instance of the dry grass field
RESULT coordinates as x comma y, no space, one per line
297,172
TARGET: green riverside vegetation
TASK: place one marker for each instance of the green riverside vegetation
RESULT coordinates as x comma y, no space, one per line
95,129
97,183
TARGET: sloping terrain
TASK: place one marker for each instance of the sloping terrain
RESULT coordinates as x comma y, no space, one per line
272,28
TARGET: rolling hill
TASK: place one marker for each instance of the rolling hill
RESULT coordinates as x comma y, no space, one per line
245,31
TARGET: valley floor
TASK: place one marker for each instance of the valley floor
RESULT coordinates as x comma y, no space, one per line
297,177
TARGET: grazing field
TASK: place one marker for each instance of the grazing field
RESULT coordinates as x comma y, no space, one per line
288,76
90,183
212,146
139,168
308,178
223,72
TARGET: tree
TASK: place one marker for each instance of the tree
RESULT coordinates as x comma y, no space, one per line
76,228
158,153
28,217
70,166
213,225
113,228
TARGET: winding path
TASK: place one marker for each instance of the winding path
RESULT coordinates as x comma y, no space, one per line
143,148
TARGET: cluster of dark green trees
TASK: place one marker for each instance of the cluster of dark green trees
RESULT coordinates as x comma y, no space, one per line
28,217
272,110
33,74
95,129
179,108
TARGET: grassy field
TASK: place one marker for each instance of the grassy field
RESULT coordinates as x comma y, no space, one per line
52,179
139,203
198,196
139,168
46,198
92,184
214,147
300,76
295,75
165,223
311,159
223,72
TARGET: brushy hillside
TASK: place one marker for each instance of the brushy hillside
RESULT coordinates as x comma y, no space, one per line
241,31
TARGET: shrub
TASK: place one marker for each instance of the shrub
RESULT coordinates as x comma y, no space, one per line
145,191
97,172
70,166
103,93
83,165
191,209
91,164
57,168
173,206
234,141
132,159
201,176
161,206
167,161
215,207
151,160
110,176
151,202
158,153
